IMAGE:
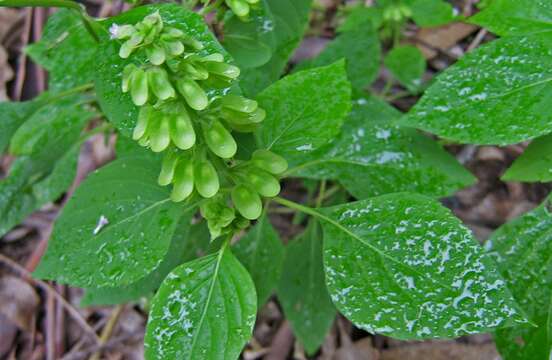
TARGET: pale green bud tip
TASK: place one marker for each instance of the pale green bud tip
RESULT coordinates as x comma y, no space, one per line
269,161
247,202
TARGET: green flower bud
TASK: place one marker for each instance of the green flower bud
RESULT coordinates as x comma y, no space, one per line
222,69
158,80
269,161
239,118
193,43
128,46
182,131
219,140
156,54
167,168
195,72
160,135
206,179
239,7
183,181
152,19
127,75
122,32
249,128
142,124
193,93
144,141
239,103
263,183
171,33
247,202
139,87
216,57
252,2
174,47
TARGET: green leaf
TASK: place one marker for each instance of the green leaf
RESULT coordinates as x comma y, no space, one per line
535,164
291,19
49,167
403,266
498,94
12,116
407,64
66,50
250,42
361,48
115,230
118,107
430,13
515,17
205,309
187,242
361,17
302,291
522,250
372,156
298,122
261,252
50,124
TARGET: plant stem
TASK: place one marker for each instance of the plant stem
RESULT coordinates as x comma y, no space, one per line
87,21
207,9
321,194
302,208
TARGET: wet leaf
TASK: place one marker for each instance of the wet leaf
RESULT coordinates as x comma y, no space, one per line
407,64
372,156
498,94
291,19
205,309
515,17
117,106
535,164
429,13
66,50
302,291
115,230
401,265
362,51
261,252
522,251
298,123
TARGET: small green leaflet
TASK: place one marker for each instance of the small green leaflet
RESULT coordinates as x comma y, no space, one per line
66,50
298,122
498,94
291,18
407,64
117,106
430,13
261,252
372,157
205,309
187,242
12,116
302,291
362,50
516,17
403,266
115,230
535,164
362,16
522,251
251,42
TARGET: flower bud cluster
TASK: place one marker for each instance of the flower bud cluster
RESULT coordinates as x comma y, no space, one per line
241,8
179,115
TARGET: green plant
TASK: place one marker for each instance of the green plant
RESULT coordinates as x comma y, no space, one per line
205,133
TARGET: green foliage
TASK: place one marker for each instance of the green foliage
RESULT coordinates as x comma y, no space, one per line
407,65
535,164
204,309
297,123
515,17
403,266
522,251
372,156
262,253
429,13
67,68
302,290
498,94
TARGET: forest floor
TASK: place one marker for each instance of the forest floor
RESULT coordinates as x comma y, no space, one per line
44,321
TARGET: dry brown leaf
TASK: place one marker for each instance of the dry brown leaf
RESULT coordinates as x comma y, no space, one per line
448,350
18,302
360,350
8,18
430,40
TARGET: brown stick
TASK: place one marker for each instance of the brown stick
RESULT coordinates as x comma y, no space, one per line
108,329
24,273
22,59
